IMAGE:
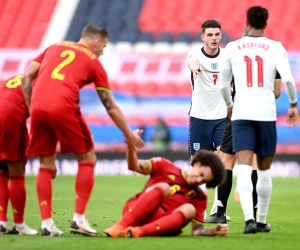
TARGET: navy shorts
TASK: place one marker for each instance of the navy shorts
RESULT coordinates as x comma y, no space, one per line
226,145
205,134
259,136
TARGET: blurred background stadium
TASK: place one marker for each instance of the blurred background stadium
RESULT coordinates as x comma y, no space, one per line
145,58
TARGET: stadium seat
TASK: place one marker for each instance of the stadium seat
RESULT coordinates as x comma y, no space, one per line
142,47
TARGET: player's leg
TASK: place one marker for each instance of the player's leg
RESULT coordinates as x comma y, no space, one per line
218,128
43,144
168,225
17,196
265,152
75,137
254,183
145,206
4,196
243,135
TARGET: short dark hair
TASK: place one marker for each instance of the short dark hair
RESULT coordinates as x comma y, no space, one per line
210,24
257,17
213,161
94,30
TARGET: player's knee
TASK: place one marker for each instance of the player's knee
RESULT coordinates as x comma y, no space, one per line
166,188
188,210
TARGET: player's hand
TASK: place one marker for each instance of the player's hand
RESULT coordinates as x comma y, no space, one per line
292,117
196,70
134,138
222,229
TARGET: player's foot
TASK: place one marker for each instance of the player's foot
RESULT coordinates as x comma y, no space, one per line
263,228
250,228
216,219
23,230
82,227
227,218
51,231
132,232
4,229
114,231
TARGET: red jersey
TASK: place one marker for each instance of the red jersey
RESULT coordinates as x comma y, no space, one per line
12,101
165,171
65,68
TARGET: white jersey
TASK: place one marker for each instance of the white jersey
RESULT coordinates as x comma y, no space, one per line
207,102
253,62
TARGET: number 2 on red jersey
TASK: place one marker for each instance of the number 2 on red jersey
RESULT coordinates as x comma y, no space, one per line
260,74
70,56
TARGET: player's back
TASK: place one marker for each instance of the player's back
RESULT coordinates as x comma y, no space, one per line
253,61
12,101
65,68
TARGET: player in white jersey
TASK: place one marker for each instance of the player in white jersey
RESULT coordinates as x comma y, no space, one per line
253,61
218,211
208,110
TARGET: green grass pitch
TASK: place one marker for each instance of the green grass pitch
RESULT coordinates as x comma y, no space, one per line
110,193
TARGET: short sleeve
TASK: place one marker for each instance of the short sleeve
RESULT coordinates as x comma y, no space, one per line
100,77
40,57
191,56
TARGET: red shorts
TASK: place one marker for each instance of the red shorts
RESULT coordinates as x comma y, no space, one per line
13,138
48,128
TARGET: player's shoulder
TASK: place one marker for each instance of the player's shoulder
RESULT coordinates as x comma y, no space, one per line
161,161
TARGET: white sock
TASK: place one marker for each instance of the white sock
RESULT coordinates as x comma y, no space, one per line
47,223
19,225
216,203
245,188
264,191
4,223
78,217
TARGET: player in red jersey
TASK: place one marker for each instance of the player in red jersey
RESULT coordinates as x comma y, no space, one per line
13,144
61,71
171,198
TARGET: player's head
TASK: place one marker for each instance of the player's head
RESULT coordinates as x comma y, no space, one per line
207,168
95,37
211,34
257,17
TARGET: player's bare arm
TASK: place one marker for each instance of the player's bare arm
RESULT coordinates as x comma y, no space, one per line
134,164
29,74
277,88
194,66
118,117
200,230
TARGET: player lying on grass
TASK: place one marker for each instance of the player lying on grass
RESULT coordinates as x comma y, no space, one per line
171,198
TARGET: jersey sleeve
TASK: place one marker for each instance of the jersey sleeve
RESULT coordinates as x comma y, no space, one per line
157,165
283,67
191,56
40,57
100,77
226,76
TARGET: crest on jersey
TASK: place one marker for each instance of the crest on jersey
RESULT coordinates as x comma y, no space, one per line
214,66
196,146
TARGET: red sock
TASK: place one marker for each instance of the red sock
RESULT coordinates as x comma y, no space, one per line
146,203
84,185
17,196
4,195
44,192
172,224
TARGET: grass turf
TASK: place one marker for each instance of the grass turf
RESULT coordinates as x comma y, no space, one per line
109,195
